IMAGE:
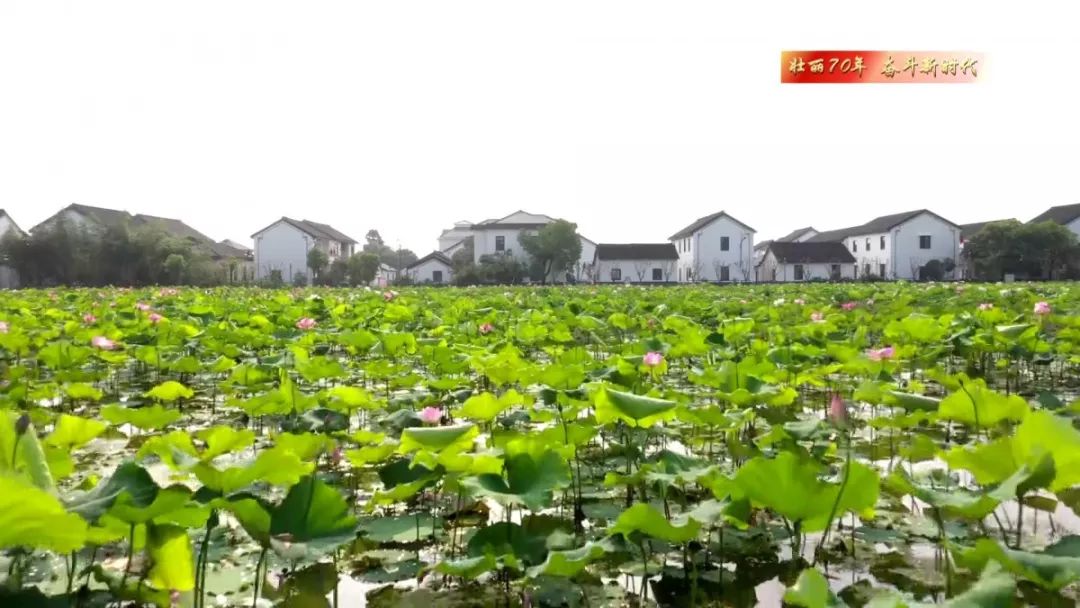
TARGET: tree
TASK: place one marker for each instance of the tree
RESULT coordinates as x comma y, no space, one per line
174,267
465,271
339,270
1009,247
362,268
317,261
373,238
555,247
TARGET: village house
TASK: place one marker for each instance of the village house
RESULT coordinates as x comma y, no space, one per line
9,279
635,263
899,245
786,261
501,237
434,268
795,236
716,247
1066,215
235,263
281,249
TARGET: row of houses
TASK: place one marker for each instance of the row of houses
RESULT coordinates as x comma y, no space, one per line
720,248
236,259
714,248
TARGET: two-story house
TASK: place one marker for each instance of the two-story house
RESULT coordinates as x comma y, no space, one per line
282,248
899,245
501,237
716,247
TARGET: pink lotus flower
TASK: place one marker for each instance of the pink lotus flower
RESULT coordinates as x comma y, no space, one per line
103,343
848,305
389,295
817,317
800,301
837,409
487,328
431,415
986,306
1042,308
306,323
336,456
143,306
880,354
89,319
652,359
155,318
4,328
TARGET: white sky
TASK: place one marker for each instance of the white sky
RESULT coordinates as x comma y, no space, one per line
630,118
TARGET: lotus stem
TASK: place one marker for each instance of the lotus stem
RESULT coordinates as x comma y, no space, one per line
258,577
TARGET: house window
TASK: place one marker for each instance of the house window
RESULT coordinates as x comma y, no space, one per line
680,274
883,242
725,273
657,274
881,270
725,243
500,243
866,269
616,274
868,243
856,271
798,272
924,241
854,245
834,271
436,276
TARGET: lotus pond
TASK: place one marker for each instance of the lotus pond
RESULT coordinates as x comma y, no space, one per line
822,445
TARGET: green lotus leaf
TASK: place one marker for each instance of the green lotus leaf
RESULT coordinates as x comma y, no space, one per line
223,439
175,449
129,480
570,563
635,410
438,438
274,466
127,508
170,391
73,431
253,515
980,405
1053,568
645,519
505,538
144,418
170,553
308,446
352,397
811,590
32,518
80,391
527,481
313,517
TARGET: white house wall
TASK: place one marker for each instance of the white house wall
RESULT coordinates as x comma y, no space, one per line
705,257
424,272
1074,226
630,270
875,256
281,247
944,244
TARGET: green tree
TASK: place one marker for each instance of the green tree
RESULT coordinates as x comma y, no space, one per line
338,273
174,268
317,261
362,268
1009,247
555,247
